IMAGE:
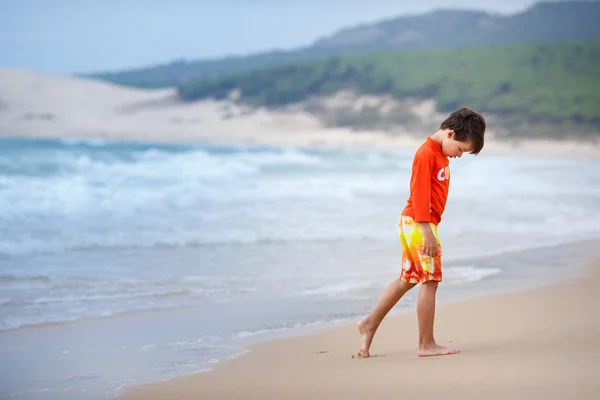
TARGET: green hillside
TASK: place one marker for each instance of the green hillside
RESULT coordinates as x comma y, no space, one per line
442,29
524,84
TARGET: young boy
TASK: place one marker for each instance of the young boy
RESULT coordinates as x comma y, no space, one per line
461,132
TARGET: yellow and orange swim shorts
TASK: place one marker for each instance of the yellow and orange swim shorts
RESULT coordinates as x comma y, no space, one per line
416,266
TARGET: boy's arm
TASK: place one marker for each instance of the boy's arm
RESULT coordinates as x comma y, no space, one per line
421,185
421,194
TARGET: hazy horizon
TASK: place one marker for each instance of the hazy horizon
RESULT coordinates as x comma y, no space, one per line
69,37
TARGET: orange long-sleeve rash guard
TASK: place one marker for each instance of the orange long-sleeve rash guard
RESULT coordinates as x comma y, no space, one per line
429,184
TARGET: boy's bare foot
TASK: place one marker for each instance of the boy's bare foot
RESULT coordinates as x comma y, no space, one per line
436,350
366,337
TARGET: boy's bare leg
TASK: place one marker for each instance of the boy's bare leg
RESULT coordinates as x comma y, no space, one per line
426,314
367,327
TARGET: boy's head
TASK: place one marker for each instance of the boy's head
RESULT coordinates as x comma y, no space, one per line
462,132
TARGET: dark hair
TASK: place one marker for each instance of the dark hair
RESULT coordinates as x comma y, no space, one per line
468,126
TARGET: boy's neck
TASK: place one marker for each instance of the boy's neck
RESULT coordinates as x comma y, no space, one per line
438,137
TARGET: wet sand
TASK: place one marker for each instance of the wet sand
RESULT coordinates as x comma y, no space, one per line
534,344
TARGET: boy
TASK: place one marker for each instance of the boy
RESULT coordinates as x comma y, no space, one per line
461,132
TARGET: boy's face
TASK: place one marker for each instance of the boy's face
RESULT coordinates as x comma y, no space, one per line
453,148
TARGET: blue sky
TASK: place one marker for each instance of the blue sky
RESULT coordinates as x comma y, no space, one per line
74,36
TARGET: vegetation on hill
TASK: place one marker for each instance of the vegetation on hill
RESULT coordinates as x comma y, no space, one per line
524,84
544,22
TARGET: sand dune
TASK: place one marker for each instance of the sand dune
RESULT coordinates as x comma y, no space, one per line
33,104
42,105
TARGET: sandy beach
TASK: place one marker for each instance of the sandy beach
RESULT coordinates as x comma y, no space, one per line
535,344
40,105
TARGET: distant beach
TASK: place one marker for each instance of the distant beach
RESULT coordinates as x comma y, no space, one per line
47,106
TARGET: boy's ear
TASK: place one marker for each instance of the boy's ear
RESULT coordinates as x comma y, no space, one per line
450,134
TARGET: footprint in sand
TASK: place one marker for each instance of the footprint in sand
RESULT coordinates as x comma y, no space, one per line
360,355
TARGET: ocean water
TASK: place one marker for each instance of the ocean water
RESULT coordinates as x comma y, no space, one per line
141,262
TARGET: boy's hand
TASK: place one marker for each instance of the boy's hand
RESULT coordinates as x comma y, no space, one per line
430,246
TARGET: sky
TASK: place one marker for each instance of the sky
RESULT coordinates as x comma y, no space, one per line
83,36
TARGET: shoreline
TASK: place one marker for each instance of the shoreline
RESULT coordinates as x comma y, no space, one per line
512,330
89,336
584,245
